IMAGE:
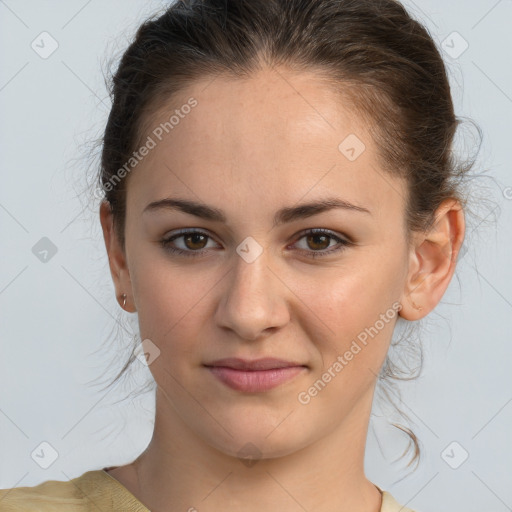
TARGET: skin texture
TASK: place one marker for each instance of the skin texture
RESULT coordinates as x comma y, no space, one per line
249,148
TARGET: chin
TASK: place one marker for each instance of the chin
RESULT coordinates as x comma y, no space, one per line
260,441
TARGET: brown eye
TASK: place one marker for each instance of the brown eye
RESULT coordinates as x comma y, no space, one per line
318,240
191,243
195,241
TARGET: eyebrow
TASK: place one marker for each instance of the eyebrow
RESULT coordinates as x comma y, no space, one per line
282,216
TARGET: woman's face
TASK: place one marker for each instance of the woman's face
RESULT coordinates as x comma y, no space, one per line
250,153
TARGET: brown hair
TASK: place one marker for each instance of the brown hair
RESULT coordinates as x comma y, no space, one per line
371,51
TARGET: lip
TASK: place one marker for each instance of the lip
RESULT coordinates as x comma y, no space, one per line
254,376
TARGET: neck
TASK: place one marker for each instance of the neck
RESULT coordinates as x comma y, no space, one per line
182,470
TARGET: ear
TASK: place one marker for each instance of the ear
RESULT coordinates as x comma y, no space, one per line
432,262
116,258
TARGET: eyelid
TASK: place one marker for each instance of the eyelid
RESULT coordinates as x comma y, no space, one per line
342,240
300,234
187,231
324,231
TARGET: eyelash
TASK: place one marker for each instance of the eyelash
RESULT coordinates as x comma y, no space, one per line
165,243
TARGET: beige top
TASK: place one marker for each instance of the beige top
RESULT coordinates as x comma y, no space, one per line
97,490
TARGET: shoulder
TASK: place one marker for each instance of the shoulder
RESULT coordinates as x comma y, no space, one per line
86,492
389,504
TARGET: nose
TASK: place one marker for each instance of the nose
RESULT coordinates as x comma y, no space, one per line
253,302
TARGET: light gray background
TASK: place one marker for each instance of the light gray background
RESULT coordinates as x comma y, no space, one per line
57,317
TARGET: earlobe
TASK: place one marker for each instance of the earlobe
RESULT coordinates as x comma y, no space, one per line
433,259
116,258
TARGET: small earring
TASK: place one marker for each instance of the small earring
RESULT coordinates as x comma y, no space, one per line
124,300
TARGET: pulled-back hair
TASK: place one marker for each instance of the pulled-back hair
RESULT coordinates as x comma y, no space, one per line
372,52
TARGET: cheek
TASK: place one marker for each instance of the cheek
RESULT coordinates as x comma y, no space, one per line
360,316
172,304
353,304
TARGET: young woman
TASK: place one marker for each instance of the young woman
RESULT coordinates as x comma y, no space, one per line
279,189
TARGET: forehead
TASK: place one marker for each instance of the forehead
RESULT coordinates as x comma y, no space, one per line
297,105
276,135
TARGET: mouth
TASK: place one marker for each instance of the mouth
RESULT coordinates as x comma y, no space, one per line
254,376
